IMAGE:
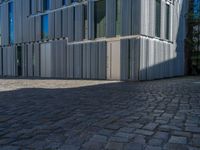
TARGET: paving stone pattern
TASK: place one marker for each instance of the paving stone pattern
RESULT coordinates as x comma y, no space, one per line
100,115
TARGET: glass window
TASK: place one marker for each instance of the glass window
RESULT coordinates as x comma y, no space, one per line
100,18
30,7
45,27
167,21
158,18
64,2
0,26
85,22
11,22
46,4
118,17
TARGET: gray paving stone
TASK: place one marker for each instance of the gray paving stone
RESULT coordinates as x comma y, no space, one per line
155,142
173,146
178,140
196,141
150,126
134,146
153,148
69,147
161,135
10,148
70,114
114,146
144,132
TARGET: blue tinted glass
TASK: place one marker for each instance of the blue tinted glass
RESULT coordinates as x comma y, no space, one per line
196,8
46,4
64,2
11,22
45,26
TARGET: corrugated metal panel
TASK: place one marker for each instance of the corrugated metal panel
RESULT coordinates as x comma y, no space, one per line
163,19
64,23
1,61
70,26
94,60
18,21
24,60
36,60
102,60
144,17
91,20
124,59
79,18
111,18
32,31
58,3
126,17
134,59
4,28
151,17
78,55
51,25
70,61
38,28
30,60
136,17
58,24
84,61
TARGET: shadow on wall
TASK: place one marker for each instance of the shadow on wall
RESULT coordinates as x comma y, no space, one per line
164,60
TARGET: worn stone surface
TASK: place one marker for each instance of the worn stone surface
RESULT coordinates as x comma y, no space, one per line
100,115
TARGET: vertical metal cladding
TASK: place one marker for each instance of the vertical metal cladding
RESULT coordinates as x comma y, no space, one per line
91,20
36,59
30,61
1,61
124,59
58,24
102,60
79,22
18,21
65,22
111,18
126,17
143,57
51,23
70,27
78,61
24,60
4,28
9,61
38,28
25,20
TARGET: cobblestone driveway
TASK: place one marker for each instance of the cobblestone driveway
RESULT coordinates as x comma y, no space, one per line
98,115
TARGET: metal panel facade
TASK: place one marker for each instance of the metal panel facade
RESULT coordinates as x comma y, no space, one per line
69,52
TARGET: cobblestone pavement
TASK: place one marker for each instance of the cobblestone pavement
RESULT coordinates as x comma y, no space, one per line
99,115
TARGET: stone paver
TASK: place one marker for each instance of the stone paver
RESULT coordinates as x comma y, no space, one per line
100,115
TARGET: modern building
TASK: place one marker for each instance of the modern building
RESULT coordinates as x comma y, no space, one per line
93,39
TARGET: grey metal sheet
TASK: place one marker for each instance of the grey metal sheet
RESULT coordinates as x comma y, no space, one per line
79,22
36,60
111,18
126,17
78,61
58,24
124,59
91,20
102,60
70,26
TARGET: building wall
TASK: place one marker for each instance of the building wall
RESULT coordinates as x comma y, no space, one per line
71,50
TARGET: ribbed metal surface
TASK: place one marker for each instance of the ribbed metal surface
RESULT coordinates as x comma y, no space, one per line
141,58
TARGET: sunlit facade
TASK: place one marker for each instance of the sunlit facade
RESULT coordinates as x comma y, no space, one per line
93,39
